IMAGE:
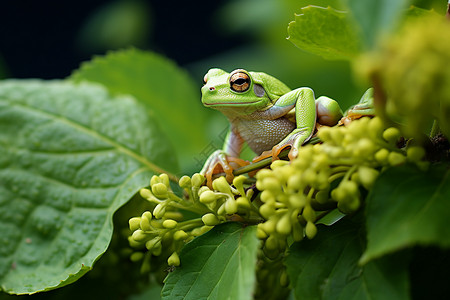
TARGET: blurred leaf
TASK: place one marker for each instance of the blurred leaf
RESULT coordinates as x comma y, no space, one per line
169,94
116,25
217,265
376,17
327,268
408,207
71,156
325,32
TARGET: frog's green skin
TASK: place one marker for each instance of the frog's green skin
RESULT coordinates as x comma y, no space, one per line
264,112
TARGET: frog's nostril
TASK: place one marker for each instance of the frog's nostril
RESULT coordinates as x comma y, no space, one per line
212,88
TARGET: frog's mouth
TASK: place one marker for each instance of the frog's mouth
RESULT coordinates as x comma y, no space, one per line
230,103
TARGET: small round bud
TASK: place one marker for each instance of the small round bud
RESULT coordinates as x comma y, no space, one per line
310,230
170,224
271,243
165,179
267,209
134,223
231,206
367,176
284,279
160,190
139,235
322,196
145,222
153,243
309,214
415,153
210,219
297,200
154,180
203,189
185,182
391,135
180,235
197,180
382,156
260,234
145,193
396,159
136,256
159,211
284,225
375,127
243,203
278,164
220,184
267,196
297,231
173,260
208,197
268,183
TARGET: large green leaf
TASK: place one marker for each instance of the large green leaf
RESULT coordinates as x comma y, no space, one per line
70,156
325,32
408,207
217,265
170,95
327,268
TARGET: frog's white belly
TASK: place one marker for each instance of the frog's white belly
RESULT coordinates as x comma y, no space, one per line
262,135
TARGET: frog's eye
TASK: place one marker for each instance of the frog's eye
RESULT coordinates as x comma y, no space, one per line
240,82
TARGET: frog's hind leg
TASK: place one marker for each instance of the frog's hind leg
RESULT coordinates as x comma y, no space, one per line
328,111
364,108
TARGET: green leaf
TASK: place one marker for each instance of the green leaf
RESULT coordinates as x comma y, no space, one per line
325,32
217,265
376,17
408,207
71,156
327,268
169,94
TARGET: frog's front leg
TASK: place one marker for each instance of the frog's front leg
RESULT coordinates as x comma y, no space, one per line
305,116
224,160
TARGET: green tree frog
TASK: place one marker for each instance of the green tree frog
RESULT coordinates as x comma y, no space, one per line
264,113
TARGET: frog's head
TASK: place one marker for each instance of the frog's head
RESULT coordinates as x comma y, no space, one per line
240,92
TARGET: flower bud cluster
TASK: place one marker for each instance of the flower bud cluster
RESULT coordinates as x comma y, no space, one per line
163,230
324,176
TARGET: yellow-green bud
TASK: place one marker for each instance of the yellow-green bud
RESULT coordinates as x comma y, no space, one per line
180,235
295,182
271,243
170,224
139,235
297,231
136,256
309,214
231,206
267,209
145,193
260,234
279,163
134,223
210,219
382,156
157,250
159,211
375,127
243,203
160,190
220,184
165,179
153,243
297,200
322,196
185,182
268,183
174,260
284,225
284,279
396,159
154,180
415,153
145,221
197,180
310,230
367,176
391,135
202,190
267,196
208,197
269,225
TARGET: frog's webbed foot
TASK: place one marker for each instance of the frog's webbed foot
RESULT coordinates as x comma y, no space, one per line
364,108
220,162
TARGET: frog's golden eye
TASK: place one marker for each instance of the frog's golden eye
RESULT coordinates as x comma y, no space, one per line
240,82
